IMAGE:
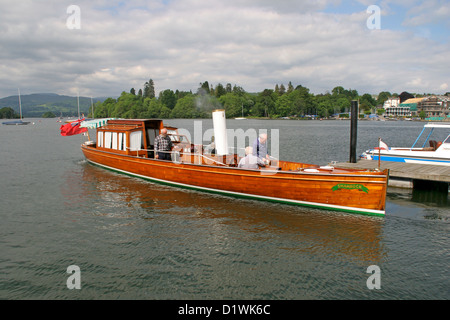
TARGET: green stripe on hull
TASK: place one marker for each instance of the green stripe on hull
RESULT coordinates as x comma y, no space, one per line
246,196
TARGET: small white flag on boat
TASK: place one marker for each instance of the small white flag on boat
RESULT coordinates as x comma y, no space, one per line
383,146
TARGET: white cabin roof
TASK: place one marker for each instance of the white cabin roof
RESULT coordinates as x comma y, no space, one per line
93,124
437,125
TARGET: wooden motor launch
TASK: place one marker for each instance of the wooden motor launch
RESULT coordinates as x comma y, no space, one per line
127,146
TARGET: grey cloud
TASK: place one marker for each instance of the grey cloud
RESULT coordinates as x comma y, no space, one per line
252,43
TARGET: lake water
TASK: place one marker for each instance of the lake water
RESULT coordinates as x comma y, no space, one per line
133,239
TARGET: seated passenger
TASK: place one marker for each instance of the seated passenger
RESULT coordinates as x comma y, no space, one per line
250,161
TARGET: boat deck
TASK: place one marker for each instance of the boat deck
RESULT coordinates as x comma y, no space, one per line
404,171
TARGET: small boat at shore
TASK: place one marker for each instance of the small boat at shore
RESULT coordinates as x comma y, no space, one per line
127,146
436,153
16,123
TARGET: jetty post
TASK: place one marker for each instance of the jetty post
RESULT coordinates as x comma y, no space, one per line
353,130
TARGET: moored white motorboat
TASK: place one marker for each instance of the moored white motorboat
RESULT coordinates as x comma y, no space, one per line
437,153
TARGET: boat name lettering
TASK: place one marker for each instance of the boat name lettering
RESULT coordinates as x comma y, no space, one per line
347,186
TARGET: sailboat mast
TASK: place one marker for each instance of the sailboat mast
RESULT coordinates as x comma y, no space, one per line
78,102
20,104
92,105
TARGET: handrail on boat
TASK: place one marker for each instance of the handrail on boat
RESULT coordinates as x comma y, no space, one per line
177,152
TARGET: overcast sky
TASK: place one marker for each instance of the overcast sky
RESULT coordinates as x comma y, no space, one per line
255,44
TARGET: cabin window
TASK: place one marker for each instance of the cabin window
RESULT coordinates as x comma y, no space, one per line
121,140
151,135
100,139
108,140
114,140
135,140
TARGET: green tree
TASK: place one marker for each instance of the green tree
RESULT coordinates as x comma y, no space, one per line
232,104
153,108
127,106
283,106
342,105
168,98
105,109
422,115
48,114
367,102
165,112
338,91
7,113
280,90
324,105
382,97
219,90
204,88
186,108
301,99
265,103
238,90
149,89
290,87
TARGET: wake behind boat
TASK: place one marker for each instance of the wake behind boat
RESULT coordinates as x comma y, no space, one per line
436,153
127,146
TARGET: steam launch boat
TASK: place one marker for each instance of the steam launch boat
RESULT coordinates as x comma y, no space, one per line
432,152
127,146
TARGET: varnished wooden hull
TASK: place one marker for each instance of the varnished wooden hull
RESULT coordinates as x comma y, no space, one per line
349,190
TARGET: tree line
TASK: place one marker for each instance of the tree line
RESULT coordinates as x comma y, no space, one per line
281,101
8,113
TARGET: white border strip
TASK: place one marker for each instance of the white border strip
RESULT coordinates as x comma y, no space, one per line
314,204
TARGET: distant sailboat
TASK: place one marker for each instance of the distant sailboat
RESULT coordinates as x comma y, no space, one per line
78,103
17,122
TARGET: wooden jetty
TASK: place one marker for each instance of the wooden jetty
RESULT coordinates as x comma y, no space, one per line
406,175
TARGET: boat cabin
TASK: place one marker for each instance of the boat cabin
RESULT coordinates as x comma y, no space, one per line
136,137
127,136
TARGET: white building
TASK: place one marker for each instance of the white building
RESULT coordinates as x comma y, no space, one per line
391,102
392,108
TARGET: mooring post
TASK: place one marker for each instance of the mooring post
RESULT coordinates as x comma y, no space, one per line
353,130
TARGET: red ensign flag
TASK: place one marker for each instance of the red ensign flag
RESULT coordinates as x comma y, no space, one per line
72,128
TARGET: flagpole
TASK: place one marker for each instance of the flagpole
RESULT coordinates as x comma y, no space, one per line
78,103
379,153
